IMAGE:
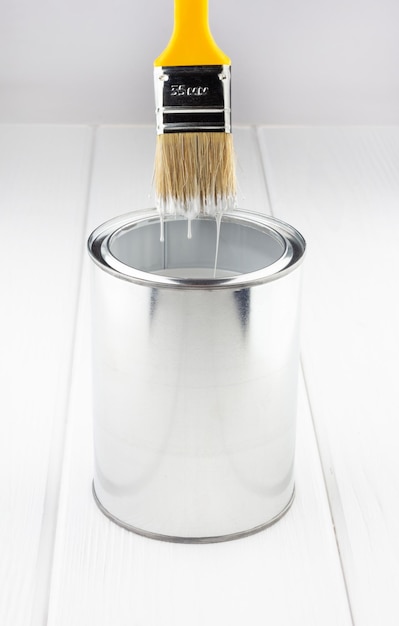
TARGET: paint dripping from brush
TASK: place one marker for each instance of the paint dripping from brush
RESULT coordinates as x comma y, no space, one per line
189,230
210,208
218,222
162,227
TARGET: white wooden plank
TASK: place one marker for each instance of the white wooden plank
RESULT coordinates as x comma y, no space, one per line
251,191
43,187
289,574
341,188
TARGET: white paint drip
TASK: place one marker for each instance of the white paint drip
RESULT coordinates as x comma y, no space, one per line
194,208
218,222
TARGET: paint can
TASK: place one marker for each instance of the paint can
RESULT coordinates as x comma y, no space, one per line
195,373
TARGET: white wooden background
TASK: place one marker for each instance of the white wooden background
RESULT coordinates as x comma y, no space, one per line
333,560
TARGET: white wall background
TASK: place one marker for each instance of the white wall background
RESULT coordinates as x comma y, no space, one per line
294,62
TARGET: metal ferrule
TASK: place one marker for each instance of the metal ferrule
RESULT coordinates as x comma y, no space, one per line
193,98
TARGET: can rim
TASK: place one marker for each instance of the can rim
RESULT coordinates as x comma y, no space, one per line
294,247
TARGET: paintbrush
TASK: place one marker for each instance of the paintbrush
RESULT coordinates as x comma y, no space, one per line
194,162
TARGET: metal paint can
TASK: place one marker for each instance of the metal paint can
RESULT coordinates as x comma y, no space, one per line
195,374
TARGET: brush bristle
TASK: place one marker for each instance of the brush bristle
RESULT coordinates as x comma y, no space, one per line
195,173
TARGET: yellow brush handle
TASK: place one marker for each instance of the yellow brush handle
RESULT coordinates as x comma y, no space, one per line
191,42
